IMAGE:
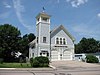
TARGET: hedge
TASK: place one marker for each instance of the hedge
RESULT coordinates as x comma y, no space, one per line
91,59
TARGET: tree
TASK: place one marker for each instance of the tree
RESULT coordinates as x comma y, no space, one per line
89,45
12,42
9,36
26,39
31,37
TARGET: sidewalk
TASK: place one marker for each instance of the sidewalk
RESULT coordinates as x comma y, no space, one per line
28,69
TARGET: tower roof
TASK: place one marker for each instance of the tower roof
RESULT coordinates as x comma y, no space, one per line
43,14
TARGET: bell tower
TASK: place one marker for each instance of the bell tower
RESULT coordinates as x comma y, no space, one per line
43,34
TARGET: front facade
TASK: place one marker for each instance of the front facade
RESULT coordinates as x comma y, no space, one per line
57,44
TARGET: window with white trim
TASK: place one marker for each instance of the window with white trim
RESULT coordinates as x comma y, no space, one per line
57,40
44,39
61,41
45,19
64,42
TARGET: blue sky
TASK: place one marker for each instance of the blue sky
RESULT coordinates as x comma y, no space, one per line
80,17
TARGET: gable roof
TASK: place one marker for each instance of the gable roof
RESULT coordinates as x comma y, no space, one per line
61,27
32,42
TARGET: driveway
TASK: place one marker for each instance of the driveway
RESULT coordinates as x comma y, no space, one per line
75,68
73,64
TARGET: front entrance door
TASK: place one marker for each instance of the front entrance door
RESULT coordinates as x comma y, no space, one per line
60,53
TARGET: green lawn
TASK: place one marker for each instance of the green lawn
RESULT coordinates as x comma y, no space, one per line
15,65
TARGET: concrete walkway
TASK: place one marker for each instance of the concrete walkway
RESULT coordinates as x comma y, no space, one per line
75,68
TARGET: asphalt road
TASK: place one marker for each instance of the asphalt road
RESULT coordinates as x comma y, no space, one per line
78,71
25,72
59,71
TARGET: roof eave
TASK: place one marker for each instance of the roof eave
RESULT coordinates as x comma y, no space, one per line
43,14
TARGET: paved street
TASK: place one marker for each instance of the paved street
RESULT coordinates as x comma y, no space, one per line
88,71
61,68
26,72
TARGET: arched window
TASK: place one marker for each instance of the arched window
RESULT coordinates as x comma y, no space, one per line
57,40
61,41
64,42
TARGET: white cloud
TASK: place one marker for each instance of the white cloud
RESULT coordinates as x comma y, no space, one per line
6,5
98,14
18,6
20,9
76,3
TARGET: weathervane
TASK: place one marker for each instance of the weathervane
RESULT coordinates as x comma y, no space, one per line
43,9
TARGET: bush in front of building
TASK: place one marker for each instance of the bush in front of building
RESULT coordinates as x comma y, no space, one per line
91,59
39,61
35,63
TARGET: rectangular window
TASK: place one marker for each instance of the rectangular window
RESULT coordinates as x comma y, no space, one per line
45,19
44,39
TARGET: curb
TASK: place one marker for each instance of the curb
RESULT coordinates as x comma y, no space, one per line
26,69
7,68
52,67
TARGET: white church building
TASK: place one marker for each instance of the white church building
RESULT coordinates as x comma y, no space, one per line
56,44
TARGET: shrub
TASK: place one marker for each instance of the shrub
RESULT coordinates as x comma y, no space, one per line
45,65
39,62
35,63
42,59
91,59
